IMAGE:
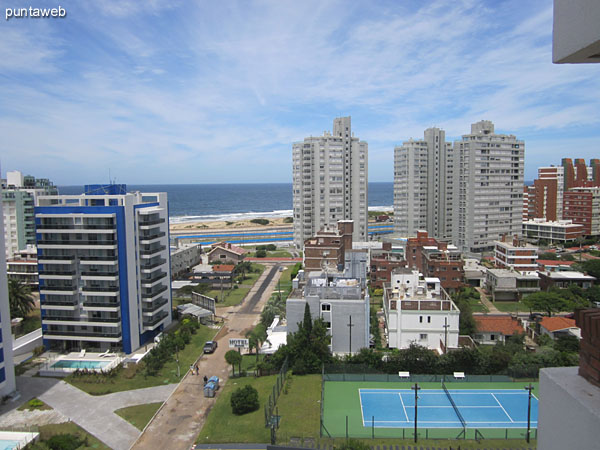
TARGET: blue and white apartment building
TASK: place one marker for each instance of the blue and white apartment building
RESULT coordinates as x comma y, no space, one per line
7,369
104,269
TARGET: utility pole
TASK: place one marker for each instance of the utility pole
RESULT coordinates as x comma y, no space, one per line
529,388
446,334
416,389
350,341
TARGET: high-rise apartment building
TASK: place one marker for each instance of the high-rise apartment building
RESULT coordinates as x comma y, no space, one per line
490,187
103,262
330,176
425,180
470,193
7,369
18,200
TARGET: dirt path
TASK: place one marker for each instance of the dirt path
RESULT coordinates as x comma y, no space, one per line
487,303
181,418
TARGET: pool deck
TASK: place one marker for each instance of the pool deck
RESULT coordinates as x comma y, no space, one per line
49,370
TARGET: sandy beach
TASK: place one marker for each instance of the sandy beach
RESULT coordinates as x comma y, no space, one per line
227,225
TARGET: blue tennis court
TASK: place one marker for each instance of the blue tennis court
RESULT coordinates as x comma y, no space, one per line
479,408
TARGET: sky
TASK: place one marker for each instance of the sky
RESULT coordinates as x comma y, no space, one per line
154,92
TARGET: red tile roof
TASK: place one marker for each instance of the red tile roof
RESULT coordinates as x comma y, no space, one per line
504,324
229,247
223,268
557,323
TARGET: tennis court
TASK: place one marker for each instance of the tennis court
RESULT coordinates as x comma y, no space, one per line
479,408
366,409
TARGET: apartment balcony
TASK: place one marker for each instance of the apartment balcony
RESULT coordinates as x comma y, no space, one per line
92,289
100,321
147,282
146,224
82,335
155,321
148,238
99,273
88,258
59,320
148,253
153,306
154,292
59,305
95,305
51,259
61,290
148,266
57,274
65,227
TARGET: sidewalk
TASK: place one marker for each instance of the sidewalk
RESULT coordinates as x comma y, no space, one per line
489,305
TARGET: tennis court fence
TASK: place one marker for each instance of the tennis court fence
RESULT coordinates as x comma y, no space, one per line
362,372
374,432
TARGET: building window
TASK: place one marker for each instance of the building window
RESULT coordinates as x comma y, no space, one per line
492,337
422,336
420,319
325,307
328,325
428,319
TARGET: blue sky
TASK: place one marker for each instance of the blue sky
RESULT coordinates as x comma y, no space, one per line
216,92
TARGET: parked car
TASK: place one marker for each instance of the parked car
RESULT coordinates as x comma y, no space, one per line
210,346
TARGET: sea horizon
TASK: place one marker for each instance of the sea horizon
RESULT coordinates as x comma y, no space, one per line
210,202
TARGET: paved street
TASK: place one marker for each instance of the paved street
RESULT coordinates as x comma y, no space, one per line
181,418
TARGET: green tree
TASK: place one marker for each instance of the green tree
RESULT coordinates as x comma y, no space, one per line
549,302
466,324
591,266
20,299
567,343
244,400
233,357
261,253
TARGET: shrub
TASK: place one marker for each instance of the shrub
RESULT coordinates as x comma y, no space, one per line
39,350
261,253
64,442
244,400
288,220
260,221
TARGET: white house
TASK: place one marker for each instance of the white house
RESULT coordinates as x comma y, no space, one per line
419,311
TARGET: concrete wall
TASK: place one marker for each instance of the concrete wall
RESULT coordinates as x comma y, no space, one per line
569,410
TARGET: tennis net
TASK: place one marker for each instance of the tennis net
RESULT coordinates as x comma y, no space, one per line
460,417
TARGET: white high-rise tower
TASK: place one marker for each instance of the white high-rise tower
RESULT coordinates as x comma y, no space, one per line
330,182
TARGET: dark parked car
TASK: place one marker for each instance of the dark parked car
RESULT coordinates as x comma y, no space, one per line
210,346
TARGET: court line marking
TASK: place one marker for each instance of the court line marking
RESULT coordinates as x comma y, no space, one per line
403,408
500,404
362,411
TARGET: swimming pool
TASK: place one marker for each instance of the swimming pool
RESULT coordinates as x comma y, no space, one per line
78,364
6,444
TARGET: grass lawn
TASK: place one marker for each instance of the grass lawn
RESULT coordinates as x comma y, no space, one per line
273,254
139,415
34,404
300,408
134,378
511,306
231,297
224,426
47,431
477,306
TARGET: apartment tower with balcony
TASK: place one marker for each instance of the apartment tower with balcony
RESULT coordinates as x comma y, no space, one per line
425,183
490,189
330,175
104,272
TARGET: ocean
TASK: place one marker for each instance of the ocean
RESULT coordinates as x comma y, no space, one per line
211,202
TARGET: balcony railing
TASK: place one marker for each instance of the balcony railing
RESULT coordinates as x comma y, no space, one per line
60,318
56,258
99,258
58,303
149,237
154,292
151,251
57,272
76,242
95,273
155,320
93,304
100,288
83,334
151,265
74,227
58,288
147,223
160,276
149,307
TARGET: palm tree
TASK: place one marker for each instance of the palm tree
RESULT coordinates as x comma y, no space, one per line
20,299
